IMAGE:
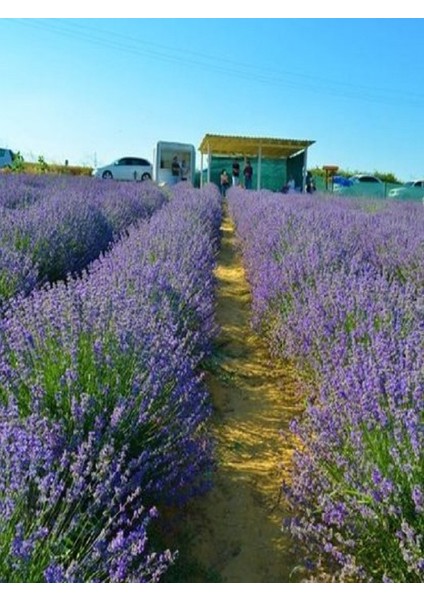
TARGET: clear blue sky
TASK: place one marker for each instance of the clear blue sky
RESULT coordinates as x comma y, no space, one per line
91,90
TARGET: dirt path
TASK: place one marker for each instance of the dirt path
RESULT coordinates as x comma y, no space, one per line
234,533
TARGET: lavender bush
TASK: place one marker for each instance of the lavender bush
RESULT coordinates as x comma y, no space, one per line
22,190
103,393
71,510
59,224
338,286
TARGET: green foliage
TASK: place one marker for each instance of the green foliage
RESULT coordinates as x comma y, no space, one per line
42,165
18,163
387,177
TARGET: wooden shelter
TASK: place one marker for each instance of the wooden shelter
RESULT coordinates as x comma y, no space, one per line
259,148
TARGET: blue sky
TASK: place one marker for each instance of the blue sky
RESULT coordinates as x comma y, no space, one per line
91,90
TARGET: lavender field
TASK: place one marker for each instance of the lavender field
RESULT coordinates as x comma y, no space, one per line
104,408
108,327
337,286
52,226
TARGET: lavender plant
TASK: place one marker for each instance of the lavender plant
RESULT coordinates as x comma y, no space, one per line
61,224
339,287
70,510
110,365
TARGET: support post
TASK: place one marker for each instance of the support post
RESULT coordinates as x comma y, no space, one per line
201,169
209,163
259,167
305,155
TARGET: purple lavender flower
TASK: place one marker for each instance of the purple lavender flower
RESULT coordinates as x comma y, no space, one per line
337,287
51,226
105,402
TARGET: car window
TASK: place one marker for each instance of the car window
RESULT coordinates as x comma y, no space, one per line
368,179
140,162
131,161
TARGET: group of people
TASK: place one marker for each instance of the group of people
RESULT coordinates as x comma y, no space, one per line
290,186
235,176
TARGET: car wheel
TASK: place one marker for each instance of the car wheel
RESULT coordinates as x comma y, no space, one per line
145,176
107,175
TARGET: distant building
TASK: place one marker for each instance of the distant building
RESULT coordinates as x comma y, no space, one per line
274,160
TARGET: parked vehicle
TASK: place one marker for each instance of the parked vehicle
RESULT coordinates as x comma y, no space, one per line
340,181
411,190
365,179
127,168
6,157
362,184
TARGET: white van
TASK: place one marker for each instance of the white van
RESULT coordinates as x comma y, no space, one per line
174,162
128,168
6,158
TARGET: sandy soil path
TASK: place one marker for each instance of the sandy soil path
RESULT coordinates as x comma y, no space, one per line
234,532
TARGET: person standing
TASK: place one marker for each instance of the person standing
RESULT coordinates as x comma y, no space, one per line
310,183
175,169
236,172
185,171
248,174
224,182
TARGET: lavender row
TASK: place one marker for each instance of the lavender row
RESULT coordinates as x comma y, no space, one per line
51,226
339,287
104,408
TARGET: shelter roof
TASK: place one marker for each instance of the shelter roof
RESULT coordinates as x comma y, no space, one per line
231,145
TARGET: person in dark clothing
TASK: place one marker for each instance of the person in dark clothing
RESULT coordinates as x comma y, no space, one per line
236,172
175,169
310,183
248,174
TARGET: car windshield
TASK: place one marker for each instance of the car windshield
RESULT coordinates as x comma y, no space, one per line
367,179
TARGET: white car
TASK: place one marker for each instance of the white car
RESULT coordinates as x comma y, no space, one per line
413,190
360,185
127,168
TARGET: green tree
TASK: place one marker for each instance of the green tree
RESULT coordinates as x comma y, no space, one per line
42,165
18,163
387,177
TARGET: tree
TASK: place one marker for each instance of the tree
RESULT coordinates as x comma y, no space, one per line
386,177
42,165
18,163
